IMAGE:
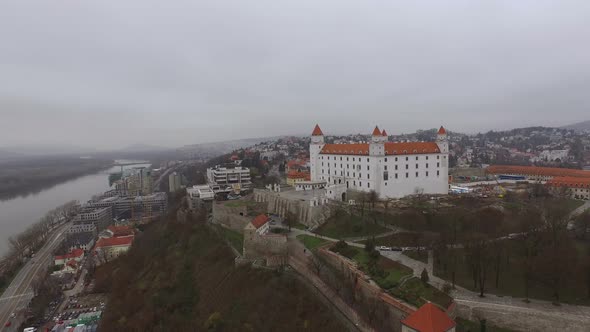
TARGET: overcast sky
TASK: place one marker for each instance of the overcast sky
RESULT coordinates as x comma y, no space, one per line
110,73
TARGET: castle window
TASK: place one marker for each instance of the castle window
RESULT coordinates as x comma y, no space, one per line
385,176
386,183
346,158
395,158
407,175
340,158
407,166
396,167
426,173
385,159
437,164
426,157
368,176
406,158
416,156
367,167
437,173
426,165
368,184
416,166
367,158
385,167
396,175
416,174
437,157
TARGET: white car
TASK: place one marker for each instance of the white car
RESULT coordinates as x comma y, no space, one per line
384,248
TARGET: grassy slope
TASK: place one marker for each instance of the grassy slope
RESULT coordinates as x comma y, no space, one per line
311,242
350,226
176,276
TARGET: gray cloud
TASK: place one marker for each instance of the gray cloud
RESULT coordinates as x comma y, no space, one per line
181,72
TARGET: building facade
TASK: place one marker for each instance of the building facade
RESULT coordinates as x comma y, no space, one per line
235,177
174,183
391,169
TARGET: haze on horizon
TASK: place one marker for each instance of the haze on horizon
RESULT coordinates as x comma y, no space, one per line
109,74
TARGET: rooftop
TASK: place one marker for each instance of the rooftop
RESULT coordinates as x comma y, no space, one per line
260,220
429,318
391,148
115,241
72,254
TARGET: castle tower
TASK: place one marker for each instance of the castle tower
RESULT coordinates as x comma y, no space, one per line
376,147
315,147
442,140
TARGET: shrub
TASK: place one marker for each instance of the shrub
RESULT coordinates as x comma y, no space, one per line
424,276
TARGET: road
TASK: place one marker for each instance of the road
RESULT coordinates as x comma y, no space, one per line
18,295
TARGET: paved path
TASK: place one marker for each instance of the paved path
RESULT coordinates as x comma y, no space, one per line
18,295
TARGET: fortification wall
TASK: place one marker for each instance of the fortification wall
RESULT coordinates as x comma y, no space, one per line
269,245
377,305
306,214
235,218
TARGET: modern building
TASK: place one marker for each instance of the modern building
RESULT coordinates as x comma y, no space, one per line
174,183
198,194
236,178
391,169
101,217
82,228
136,182
534,173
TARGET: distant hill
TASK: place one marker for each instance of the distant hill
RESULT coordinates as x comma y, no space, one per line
580,126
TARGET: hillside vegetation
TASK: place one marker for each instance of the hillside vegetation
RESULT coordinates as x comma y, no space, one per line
181,277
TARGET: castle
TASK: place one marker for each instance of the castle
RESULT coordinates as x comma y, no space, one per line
391,169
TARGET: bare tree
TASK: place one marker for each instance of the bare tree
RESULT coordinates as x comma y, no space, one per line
316,264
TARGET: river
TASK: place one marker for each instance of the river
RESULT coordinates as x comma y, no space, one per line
19,213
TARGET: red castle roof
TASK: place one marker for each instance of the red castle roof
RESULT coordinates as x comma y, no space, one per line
121,230
376,131
391,148
317,131
260,220
442,131
384,133
569,181
429,318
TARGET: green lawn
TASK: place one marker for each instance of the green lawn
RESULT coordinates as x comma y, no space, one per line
350,226
406,239
464,325
311,242
392,271
235,239
573,204
421,255
418,293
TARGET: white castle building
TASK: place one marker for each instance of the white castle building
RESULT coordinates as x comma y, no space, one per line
391,169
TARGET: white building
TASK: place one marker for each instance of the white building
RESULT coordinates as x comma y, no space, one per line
392,169
235,177
197,194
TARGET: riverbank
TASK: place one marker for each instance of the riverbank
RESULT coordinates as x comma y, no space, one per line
25,177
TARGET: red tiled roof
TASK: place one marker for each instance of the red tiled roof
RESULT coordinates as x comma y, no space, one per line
538,171
72,254
569,181
376,131
299,175
429,318
115,241
317,131
391,148
121,230
260,221
384,133
442,130
72,263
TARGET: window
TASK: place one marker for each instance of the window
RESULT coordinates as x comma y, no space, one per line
416,166
352,158
368,176
385,159
395,158
368,184
426,157
328,157
437,164
322,163
396,175
396,167
340,158
334,164
367,159
406,158
354,183
407,175
367,167
426,173
437,157
385,183
385,167
437,173
426,165
353,174
407,166
416,174
347,165
416,157
322,171
347,174
385,176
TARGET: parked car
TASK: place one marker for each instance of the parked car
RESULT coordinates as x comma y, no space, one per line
384,248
